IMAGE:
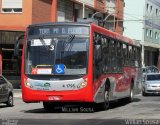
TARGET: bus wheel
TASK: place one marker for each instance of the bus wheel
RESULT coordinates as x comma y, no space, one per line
105,104
48,106
131,95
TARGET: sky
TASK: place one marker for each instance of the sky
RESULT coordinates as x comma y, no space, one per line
133,11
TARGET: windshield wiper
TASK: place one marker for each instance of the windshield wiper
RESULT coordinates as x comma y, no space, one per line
43,43
70,39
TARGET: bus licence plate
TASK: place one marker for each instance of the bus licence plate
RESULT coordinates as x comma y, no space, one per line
56,98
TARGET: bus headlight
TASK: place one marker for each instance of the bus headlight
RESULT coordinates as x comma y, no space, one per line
28,85
82,84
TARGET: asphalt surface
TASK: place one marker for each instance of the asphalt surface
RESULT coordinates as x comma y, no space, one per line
145,110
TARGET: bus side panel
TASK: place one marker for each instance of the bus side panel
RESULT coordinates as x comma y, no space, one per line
120,83
125,79
124,82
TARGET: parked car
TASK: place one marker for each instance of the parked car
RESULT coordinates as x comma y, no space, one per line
149,69
6,91
151,84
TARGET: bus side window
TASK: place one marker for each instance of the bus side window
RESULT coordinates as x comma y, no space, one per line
113,56
119,56
98,50
127,58
97,55
106,55
124,54
130,60
105,46
119,49
133,56
112,45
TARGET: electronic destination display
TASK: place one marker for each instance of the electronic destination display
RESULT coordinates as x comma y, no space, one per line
58,30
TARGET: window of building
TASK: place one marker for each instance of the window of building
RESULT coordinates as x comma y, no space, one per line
150,9
155,35
147,7
151,34
147,32
14,6
156,12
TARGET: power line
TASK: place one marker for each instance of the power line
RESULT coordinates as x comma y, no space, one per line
124,14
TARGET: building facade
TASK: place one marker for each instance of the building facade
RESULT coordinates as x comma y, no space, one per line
151,32
145,27
16,15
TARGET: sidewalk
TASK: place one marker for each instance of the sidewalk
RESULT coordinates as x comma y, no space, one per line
17,93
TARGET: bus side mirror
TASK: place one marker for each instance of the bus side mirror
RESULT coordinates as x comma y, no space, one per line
16,45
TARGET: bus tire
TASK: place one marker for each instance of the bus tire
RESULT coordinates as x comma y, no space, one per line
105,105
48,106
131,95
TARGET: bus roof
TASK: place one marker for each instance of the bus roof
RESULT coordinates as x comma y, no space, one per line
58,23
100,29
115,35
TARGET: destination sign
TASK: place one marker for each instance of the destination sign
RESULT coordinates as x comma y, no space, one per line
59,30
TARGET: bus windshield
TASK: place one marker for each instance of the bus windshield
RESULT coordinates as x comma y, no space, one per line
63,55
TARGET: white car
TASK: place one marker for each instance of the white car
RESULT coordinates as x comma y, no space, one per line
149,69
151,84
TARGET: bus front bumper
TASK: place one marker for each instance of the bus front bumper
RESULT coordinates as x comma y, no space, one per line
82,95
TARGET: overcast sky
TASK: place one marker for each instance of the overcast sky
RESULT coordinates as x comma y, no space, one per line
133,14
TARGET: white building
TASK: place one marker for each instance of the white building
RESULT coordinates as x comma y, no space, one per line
142,22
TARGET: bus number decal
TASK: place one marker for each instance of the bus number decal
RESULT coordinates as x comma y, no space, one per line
69,86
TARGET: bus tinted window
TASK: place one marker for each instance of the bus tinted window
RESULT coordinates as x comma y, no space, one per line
116,54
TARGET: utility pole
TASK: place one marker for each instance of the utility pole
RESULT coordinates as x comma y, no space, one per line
83,16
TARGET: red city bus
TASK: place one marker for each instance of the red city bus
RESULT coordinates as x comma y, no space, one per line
0,61
78,62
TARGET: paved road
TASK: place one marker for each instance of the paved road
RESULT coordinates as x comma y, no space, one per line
141,108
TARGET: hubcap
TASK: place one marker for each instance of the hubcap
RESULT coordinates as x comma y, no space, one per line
131,94
10,100
106,96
